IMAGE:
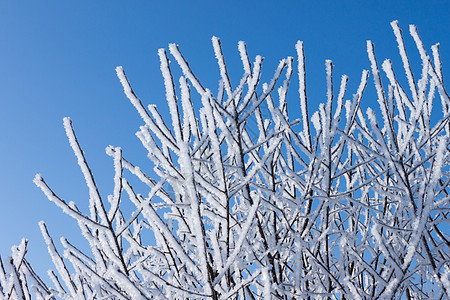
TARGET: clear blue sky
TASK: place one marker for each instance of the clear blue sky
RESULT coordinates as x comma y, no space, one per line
57,59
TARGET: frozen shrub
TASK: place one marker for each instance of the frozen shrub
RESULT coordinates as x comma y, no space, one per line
340,204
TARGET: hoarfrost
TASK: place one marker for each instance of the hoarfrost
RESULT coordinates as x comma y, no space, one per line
357,209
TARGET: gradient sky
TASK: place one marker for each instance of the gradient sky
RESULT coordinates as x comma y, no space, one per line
57,59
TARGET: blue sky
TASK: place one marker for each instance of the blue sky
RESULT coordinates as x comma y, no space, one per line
58,58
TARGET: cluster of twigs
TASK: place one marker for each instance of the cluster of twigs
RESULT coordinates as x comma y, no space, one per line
350,207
